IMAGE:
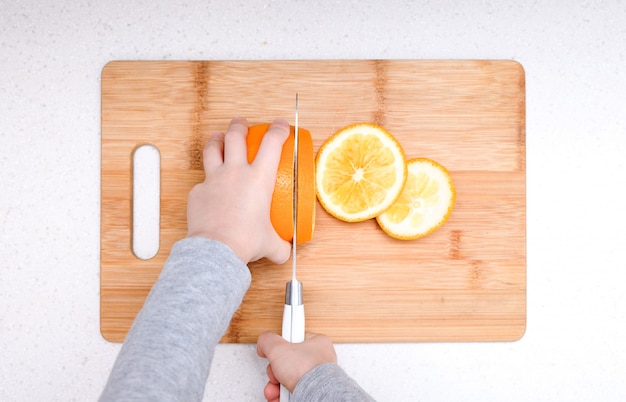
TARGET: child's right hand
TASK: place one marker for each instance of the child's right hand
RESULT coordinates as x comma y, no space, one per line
288,362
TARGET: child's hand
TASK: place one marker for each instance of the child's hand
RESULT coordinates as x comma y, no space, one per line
288,362
232,205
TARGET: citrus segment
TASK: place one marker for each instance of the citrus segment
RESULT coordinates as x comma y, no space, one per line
360,171
424,204
281,209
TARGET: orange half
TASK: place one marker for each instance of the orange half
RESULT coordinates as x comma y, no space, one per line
281,210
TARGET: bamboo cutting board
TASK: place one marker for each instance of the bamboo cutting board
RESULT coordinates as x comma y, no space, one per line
465,282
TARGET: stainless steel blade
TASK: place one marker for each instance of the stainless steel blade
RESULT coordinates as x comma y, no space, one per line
295,196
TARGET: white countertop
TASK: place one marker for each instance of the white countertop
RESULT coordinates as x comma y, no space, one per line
574,53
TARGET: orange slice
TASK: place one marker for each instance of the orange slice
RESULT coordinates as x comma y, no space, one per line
424,204
360,171
282,198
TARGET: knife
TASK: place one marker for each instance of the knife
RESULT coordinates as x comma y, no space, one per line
293,313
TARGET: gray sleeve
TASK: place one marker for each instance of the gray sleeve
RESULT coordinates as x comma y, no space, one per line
329,383
168,351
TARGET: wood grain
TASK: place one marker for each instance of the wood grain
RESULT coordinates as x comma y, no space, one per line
465,282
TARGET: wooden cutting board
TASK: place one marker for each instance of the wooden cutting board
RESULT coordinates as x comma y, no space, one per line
465,282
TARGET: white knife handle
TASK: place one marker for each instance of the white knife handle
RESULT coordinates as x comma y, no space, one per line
293,331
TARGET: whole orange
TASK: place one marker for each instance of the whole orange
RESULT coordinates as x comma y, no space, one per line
281,211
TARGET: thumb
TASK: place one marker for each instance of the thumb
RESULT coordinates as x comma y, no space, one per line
267,343
279,251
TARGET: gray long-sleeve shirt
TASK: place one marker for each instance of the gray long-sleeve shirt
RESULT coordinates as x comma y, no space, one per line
168,351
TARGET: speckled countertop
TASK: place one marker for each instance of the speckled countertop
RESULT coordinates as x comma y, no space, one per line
574,52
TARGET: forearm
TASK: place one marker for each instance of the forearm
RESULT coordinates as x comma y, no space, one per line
329,383
168,351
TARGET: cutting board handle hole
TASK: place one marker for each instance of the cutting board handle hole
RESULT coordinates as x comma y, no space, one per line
146,202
